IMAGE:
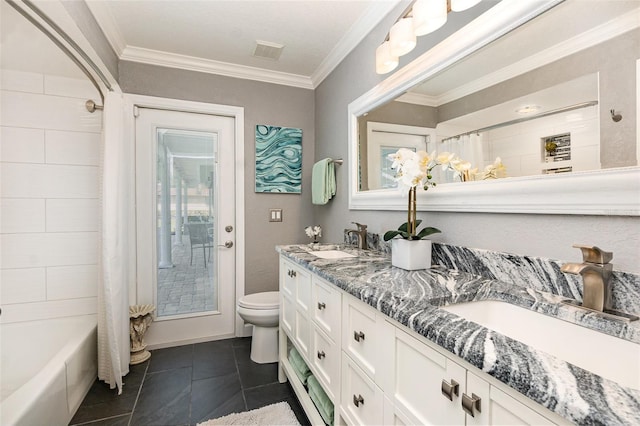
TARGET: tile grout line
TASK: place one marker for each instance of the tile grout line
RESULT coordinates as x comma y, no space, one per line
135,403
235,358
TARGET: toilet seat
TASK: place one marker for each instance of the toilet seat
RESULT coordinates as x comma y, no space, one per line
260,301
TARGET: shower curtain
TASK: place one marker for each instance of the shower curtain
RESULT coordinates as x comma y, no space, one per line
467,148
116,260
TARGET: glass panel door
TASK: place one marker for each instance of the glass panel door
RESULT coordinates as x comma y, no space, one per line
186,199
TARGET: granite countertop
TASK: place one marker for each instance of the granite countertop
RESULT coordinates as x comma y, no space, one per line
412,298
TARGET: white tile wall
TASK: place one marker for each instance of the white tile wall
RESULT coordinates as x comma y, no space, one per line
72,282
20,81
22,215
49,198
22,285
79,148
21,145
72,215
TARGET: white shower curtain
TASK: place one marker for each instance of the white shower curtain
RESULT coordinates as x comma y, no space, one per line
116,266
467,148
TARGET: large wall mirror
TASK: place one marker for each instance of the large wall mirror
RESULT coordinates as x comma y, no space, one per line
548,87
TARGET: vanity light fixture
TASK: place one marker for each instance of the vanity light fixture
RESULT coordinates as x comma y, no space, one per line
420,18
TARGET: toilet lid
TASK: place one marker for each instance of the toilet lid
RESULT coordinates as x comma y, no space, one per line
265,300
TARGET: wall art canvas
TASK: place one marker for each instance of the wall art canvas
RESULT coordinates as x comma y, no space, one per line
278,159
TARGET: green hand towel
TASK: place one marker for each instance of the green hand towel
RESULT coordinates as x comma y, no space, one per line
299,366
323,181
321,400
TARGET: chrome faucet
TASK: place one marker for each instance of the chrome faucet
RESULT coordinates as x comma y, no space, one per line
361,232
596,272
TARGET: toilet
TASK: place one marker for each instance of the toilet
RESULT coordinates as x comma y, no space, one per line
262,310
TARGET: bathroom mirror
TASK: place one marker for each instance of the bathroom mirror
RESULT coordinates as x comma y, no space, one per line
567,80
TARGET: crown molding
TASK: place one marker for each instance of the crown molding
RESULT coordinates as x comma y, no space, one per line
597,35
190,63
363,26
418,99
108,25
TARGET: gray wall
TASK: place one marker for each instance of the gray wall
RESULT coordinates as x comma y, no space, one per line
537,235
263,103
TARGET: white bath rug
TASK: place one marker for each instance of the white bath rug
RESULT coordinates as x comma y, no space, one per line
274,414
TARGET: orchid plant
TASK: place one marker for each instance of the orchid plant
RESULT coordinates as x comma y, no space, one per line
414,168
313,232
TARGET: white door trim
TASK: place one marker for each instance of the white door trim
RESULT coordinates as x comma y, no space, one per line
131,101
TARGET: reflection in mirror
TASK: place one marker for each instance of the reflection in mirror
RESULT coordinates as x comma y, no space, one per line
538,99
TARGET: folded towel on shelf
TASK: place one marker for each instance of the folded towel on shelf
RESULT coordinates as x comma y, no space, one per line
299,366
321,400
323,181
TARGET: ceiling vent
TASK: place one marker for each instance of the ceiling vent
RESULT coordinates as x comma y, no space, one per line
268,50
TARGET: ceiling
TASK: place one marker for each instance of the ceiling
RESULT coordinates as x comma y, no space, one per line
219,36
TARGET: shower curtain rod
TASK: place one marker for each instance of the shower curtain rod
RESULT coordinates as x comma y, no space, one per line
62,47
523,119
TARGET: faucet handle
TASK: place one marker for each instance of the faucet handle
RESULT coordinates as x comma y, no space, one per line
360,226
593,254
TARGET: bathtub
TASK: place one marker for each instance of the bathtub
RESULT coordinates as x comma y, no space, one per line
47,368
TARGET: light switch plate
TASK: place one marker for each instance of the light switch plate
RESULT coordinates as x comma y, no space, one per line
275,215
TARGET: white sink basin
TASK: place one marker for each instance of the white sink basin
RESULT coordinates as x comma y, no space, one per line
332,254
607,356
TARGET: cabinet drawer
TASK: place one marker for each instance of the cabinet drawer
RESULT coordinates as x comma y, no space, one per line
287,314
325,355
362,401
295,282
360,338
326,308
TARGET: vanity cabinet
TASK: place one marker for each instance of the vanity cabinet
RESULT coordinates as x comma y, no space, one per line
377,371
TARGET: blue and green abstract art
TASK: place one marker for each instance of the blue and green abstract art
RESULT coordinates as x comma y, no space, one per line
278,159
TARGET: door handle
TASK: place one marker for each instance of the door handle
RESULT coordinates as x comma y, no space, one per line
450,389
357,400
470,404
227,244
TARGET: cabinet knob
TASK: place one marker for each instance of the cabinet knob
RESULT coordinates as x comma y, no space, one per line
357,400
293,273
450,389
321,354
358,335
321,306
470,404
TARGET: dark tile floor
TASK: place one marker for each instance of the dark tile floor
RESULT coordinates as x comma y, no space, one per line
188,384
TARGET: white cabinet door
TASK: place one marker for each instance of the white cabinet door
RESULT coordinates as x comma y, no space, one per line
302,334
498,408
361,401
326,307
296,283
360,336
325,359
421,373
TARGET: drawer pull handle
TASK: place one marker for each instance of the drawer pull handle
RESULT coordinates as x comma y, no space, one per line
357,400
321,306
291,273
358,335
470,404
450,389
321,354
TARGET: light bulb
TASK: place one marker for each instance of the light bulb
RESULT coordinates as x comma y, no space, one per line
385,62
402,39
460,5
429,15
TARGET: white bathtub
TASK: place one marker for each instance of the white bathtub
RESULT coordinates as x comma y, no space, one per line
47,367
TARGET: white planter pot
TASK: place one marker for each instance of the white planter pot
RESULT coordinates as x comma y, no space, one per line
411,254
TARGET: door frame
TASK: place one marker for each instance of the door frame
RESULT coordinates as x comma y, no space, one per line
132,101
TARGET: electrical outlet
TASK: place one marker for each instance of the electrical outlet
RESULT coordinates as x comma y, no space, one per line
275,215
